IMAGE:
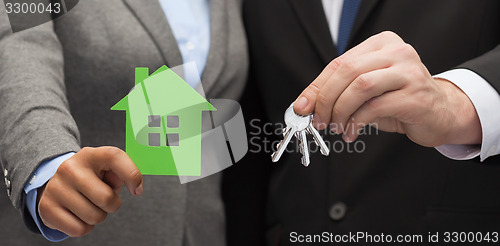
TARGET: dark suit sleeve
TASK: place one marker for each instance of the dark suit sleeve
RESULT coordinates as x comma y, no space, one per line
487,66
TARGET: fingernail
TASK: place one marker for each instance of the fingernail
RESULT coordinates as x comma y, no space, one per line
301,103
333,128
346,138
317,122
138,190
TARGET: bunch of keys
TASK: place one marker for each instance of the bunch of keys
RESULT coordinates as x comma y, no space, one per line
298,126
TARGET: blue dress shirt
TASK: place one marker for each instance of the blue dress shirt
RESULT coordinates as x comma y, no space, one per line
190,24
42,174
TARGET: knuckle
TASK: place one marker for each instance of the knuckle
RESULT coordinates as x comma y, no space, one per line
373,105
46,212
70,171
364,83
414,73
80,230
66,169
136,176
337,113
110,153
52,185
49,225
349,66
388,35
97,218
106,199
117,205
406,50
314,89
322,100
44,207
335,63
86,149
102,217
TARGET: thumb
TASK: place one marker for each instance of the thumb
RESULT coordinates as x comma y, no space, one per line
301,106
306,102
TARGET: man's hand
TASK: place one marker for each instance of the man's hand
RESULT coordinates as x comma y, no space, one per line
85,189
383,82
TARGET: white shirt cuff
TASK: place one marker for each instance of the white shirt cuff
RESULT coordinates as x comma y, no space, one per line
486,101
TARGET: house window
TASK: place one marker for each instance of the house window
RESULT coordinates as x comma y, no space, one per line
172,139
154,121
154,139
172,121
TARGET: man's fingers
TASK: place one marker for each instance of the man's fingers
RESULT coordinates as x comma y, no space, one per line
61,219
86,181
99,193
381,107
343,77
115,160
305,103
114,181
81,207
363,88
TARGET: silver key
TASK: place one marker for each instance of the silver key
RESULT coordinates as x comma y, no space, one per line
303,147
294,123
298,126
318,140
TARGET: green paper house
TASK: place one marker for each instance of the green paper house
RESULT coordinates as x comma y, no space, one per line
164,123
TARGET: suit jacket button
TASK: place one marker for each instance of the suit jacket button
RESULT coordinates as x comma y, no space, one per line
337,211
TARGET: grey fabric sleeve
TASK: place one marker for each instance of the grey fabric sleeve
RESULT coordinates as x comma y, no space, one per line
35,121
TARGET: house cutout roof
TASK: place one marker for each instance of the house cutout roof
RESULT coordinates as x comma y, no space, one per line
166,88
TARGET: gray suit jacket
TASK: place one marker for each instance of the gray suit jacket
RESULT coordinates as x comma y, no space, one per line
57,84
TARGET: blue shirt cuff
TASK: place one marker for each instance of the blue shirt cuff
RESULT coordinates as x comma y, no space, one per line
42,174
